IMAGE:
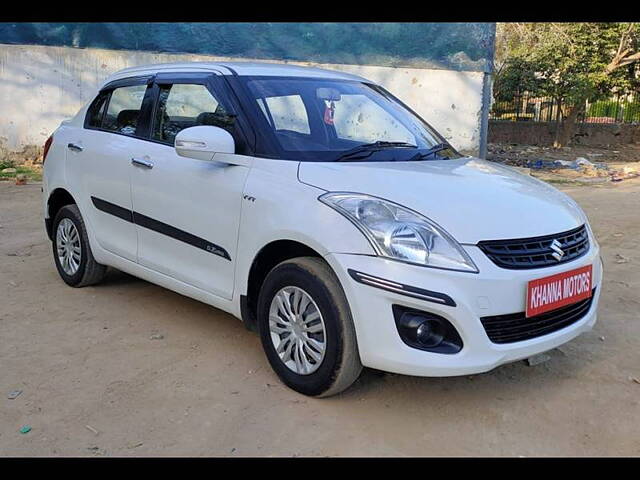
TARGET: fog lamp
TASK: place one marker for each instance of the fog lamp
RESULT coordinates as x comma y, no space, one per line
426,331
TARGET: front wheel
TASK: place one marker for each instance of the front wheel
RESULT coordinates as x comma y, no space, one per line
71,250
306,328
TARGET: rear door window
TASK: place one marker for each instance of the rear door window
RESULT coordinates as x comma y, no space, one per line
97,109
123,112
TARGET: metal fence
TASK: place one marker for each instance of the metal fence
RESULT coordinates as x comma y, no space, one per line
527,107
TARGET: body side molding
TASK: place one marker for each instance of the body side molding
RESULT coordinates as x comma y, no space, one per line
160,227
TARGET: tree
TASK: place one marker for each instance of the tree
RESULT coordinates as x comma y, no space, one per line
570,62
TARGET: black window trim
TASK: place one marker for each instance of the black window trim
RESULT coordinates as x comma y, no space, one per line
250,120
206,79
101,94
142,126
217,84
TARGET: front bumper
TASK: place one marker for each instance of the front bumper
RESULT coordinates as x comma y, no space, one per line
493,291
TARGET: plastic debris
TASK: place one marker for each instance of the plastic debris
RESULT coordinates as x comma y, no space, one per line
579,163
621,259
156,336
565,163
91,429
14,394
634,379
582,161
539,164
25,429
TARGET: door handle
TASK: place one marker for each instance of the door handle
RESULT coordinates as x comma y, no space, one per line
138,162
74,147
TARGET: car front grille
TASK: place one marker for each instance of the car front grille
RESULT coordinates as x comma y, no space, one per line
536,252
515,327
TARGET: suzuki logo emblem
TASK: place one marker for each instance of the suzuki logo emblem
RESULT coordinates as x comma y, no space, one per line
558,253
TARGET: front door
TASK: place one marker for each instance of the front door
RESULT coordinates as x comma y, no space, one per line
187,212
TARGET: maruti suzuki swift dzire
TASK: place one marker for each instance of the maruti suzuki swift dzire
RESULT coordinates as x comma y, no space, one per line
325,214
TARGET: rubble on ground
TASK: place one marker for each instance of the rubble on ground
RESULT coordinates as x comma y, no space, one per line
578,164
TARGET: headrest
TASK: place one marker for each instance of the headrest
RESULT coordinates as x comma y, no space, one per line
128,117
217,119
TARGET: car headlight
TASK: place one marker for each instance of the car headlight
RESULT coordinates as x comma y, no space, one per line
399,233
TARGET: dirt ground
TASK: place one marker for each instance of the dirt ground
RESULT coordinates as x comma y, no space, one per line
94,382
515,154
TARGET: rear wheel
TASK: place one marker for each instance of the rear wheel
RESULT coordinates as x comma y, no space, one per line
71,251
306,328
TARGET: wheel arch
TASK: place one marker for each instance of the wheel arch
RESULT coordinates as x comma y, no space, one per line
268,256
57,199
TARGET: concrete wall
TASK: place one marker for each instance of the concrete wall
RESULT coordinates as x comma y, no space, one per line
542,133
42,85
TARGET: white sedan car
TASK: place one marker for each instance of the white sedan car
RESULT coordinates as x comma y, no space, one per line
325,214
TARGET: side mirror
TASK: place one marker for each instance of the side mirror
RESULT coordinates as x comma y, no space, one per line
203,141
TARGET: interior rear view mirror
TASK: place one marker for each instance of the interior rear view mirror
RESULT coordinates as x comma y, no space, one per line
329,94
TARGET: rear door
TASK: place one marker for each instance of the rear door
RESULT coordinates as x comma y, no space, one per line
188,211
99,162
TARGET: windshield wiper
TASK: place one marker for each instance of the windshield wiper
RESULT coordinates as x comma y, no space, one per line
431,151
366,149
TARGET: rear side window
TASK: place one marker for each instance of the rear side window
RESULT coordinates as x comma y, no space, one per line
124,108
97,109
183,105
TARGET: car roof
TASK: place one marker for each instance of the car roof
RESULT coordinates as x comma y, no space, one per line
235,68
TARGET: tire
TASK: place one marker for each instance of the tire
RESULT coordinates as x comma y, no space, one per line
88,271
340,365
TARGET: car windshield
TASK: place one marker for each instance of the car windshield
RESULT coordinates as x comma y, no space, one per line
326,120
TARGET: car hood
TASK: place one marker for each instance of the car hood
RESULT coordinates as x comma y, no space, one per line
472,199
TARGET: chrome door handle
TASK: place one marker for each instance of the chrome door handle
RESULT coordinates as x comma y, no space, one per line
141,163
74,147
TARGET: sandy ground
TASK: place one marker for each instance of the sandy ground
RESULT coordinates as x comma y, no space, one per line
86,357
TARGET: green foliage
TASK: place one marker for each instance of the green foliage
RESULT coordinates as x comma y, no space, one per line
631,113
31,173
604,108
566,61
